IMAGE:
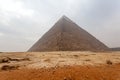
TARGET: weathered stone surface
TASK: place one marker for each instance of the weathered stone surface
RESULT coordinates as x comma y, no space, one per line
65,35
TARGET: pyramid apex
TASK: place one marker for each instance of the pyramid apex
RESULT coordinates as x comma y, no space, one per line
64,17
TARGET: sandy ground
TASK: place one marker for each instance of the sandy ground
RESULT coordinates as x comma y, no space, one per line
65,73
61,66
53,59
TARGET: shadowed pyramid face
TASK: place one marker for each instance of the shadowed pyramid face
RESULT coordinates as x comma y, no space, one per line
65,35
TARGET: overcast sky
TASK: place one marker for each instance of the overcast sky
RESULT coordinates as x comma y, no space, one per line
23,22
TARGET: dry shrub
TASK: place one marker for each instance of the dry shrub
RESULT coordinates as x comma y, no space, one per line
86,55
25,59
87,60
93,54
62,61
47,60
117,58
109,62
76,56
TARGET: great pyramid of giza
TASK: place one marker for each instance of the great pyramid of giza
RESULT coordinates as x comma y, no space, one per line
65,35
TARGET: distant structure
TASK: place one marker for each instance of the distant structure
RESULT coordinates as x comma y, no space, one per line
115,49
65,35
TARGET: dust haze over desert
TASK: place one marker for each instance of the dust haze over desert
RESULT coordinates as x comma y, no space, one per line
59,40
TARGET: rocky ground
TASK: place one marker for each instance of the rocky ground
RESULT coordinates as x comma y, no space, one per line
60,66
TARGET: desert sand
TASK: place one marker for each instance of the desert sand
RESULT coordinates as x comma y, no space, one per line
68,65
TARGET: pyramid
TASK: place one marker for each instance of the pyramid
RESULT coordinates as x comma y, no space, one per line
65,35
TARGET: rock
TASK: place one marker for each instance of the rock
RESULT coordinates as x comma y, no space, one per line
9,67
20,59
4,60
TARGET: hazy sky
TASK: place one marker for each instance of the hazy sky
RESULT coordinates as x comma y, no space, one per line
23,22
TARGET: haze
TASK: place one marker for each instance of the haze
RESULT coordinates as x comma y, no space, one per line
23,22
